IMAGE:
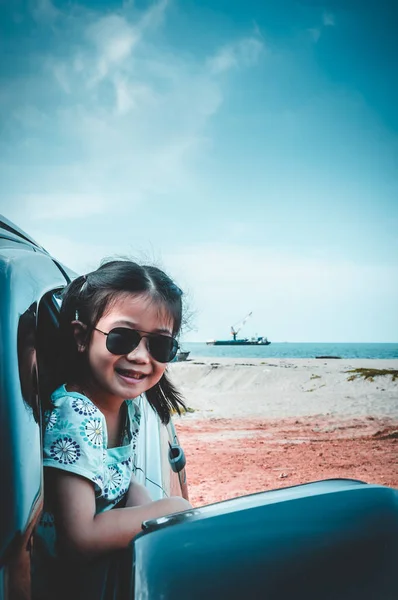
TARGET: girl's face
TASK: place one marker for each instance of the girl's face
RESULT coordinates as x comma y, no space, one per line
129,375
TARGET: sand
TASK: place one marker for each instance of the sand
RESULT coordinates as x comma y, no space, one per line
264,424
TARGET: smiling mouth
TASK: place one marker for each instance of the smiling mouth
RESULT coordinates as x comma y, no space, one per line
130,374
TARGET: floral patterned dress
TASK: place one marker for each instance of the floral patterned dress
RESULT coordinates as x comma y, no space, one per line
75,440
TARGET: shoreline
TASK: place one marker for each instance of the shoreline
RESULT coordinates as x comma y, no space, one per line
261,424
388,362
281,388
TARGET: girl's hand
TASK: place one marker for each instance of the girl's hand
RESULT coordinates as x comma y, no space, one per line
85,533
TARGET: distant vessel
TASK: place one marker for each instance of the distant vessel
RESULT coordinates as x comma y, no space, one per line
258,341
254,341
181,356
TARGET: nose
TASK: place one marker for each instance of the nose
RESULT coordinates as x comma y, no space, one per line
140,353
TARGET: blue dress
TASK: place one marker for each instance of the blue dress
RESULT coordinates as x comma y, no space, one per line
75,440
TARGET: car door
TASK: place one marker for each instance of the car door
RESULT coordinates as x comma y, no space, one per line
26,275
156,448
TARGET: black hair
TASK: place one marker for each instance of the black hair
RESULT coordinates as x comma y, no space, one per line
89,296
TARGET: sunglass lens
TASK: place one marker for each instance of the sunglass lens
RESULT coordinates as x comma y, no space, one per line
163,348
122,340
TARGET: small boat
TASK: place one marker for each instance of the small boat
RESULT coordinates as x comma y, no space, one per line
254,341
181,356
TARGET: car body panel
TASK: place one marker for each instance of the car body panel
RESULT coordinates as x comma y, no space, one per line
24,277
26,273
148,468
335,540
152,459
11,231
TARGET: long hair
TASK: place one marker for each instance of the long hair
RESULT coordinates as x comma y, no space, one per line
89,297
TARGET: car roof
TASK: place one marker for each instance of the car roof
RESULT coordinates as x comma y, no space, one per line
10,231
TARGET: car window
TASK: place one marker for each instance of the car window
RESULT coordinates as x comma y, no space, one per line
27,359
48,340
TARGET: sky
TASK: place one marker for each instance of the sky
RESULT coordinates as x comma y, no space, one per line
249,148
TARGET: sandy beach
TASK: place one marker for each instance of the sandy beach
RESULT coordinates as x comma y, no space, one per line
263,424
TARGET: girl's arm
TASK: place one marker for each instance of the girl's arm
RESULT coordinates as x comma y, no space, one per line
137,494
82,531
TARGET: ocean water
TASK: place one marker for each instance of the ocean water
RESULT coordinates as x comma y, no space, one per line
293,350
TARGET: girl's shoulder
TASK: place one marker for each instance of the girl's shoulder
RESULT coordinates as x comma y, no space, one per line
73,403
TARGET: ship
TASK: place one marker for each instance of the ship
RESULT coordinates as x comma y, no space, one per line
235,341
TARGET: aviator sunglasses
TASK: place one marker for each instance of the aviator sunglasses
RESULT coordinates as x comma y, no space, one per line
122,340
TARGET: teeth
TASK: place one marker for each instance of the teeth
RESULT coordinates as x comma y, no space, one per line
131,374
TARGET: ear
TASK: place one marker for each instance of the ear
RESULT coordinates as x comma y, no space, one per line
79,333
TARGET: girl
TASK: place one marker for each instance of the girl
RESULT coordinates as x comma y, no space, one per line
118,328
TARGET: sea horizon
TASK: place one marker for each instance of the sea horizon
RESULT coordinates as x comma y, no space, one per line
295,350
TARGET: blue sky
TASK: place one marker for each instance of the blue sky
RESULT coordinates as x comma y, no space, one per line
249,148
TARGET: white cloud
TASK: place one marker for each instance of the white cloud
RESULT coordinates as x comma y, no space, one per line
130,95
155,15
242,53
124,118
328,19
315,33
45,11
114,39
224,60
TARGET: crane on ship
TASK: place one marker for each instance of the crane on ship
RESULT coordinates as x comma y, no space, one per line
238,326
253,341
